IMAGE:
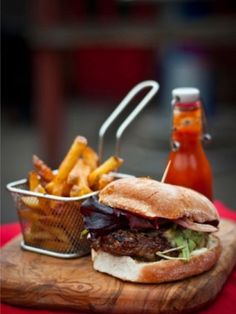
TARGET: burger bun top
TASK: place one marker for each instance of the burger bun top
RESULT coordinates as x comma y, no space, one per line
151,199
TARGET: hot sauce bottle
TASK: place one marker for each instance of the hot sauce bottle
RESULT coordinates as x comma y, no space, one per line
189,165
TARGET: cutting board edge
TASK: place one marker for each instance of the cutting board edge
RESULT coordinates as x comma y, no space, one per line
41,306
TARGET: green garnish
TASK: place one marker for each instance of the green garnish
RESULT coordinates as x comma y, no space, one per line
186,239
83,233
163,253
170,257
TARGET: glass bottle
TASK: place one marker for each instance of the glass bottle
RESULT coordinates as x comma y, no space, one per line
189,165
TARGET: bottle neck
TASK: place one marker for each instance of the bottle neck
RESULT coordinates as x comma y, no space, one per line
187,124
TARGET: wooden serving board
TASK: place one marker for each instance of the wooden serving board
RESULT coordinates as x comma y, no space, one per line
34,280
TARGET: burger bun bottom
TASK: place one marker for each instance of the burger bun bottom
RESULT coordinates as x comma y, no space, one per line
129,269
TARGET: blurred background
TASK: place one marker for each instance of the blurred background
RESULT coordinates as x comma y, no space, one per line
66,64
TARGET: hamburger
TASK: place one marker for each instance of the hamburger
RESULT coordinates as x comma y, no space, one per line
142,230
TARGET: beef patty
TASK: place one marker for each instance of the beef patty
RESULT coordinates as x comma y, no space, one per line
140,245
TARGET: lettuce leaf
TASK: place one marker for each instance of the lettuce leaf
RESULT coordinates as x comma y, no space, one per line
187,239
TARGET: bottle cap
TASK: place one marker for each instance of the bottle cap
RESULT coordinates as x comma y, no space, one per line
186,94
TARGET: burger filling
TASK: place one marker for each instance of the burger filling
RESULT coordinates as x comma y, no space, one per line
138,244
122,233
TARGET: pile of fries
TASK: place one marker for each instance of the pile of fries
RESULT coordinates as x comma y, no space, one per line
57,225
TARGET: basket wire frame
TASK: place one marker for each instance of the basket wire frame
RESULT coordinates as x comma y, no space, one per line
52,225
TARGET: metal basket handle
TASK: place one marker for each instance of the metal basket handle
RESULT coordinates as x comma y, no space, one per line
122,105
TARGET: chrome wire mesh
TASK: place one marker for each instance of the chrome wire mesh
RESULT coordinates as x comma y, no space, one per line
50,226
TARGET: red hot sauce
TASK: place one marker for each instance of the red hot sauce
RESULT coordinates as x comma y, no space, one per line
189,165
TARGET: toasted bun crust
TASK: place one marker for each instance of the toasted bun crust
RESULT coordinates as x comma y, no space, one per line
150,198
128,269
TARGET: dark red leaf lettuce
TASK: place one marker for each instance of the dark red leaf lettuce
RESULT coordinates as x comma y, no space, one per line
100,219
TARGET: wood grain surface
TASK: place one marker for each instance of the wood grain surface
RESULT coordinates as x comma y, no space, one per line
39,281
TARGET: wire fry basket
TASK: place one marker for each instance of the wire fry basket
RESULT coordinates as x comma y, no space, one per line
50,225
53,225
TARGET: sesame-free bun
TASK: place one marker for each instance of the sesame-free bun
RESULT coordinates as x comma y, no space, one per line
150,198
129,269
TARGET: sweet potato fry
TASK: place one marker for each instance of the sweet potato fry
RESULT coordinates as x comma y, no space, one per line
43,170
109,165
66,166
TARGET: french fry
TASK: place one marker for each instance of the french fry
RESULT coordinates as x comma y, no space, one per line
34,228
44,205
79,176
40,189
59,189
109,165
31,202
38,205
39,235
50,220
69,216
105,179
45,240
49,187
38,220
34,183
72,156
53,224
90,158
29,238
57,207
54,245
78,190
43,170
71,223
66,166
75,172
29,215
57,232
33,180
